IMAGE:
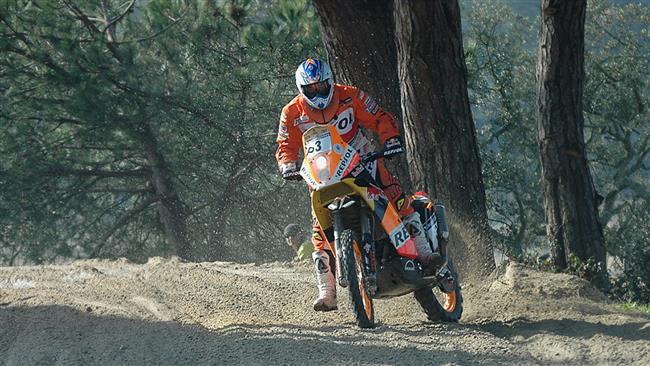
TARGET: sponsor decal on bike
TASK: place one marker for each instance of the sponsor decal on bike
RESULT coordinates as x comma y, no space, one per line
357,170
409,265
400,203
374,193
306,175
346,159
399,235
371,167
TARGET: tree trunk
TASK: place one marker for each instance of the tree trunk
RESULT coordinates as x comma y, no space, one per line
570,206
358,37
443,152
171,209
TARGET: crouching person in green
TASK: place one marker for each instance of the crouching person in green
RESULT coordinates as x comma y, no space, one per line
296,240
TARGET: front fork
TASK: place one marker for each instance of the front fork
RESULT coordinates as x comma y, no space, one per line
341,270
366,247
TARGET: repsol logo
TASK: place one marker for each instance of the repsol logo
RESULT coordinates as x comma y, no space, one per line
400,236
344,162
398,150
306,174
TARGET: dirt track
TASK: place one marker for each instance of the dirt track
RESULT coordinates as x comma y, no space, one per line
172,313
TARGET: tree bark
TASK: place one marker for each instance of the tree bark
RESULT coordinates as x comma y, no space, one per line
358,37
572,225
443,152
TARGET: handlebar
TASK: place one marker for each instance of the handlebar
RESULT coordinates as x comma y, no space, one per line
370,157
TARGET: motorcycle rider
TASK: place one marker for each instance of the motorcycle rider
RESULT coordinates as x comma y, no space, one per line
321,101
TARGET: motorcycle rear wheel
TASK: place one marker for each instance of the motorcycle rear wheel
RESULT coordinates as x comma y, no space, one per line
364,310
450,306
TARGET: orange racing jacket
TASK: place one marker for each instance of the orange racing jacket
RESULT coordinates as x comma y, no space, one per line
349,110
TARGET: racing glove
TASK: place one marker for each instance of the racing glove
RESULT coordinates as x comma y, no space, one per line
289,171
393,146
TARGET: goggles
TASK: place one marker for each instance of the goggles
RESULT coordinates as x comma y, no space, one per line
321,88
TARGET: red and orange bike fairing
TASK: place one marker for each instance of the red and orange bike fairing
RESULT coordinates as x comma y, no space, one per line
332,169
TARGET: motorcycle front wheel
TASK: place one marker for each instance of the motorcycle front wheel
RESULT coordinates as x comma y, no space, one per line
364,311
447,306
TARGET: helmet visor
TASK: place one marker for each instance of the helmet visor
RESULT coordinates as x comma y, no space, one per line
321,88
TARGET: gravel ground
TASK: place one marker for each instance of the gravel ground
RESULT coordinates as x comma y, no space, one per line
167,312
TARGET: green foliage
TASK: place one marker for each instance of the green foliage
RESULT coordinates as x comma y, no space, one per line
94,97
632,306
617,114
501,66
588,270
98,96
617,119
501,53
628,239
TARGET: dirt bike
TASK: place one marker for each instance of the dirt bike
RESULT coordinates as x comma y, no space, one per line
375,253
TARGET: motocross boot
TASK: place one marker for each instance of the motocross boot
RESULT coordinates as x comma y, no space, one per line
427,258
326,300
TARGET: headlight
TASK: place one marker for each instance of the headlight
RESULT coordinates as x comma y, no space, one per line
321,166
321,162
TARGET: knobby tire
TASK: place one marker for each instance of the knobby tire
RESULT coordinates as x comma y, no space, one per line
363,307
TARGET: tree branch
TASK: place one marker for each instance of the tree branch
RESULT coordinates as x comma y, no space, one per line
142,172
121,222
156,34
80,15
119,17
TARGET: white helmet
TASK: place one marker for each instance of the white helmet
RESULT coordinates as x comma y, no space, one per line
315,82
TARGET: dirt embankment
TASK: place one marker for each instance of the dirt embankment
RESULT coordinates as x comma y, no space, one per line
171,313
